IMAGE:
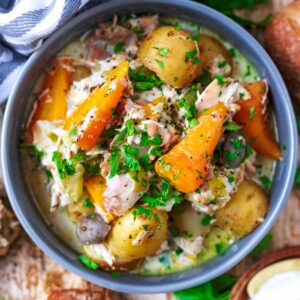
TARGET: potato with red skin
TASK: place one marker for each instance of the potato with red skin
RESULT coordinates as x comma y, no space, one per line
172,55
282,40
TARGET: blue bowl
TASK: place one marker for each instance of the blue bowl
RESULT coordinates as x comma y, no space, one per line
19,108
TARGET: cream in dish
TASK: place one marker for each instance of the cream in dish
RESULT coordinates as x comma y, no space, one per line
153,133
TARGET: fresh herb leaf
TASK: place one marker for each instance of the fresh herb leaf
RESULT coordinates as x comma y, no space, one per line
190,54
297,177
39,154
137,29
252,112
262,246
266,182
56,158
205,221
88,203
220,79
150,141
160,63
196,36
48,173
231,126
143,82
87,262
163,51
141,211
115,275
205,78
118,47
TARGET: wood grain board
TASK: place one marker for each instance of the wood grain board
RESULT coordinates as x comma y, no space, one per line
26,273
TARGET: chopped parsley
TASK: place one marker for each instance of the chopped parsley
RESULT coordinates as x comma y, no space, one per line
196,36
141,211
222,64
266,182
205,221
195,61
190,54
232,126
137,29
142,81
252,112
163,51
160,63
115,275
248,71
146,140
88,203
118,47
297,177
220,79
87,262
205,78
39,154
48,173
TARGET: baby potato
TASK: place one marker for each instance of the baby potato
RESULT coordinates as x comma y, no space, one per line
186,219
137,236
118,265
172,55
213,54
245,210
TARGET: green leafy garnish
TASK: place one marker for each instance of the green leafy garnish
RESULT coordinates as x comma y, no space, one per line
229,8
143,82
266,182
118,47
297,177
160,63
39,154
163,51
48,173
205,221
262,246
115,274
141,211
190,54
196,36
252,112
217,289
137,29
205,78
88,203
231,126
220,79
87,262
146,140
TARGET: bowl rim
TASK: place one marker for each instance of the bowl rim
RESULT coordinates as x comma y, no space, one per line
170,285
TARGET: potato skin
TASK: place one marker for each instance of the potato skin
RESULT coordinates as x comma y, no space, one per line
76,210
209,49
126,241
176,70
282,40
243,212
186,219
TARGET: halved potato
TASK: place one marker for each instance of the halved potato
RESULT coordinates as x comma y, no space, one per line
172,55
78,209
212,53
245,210
137,236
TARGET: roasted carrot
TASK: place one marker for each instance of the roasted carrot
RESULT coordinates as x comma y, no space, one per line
185,165
95,187
103,100
52,104
253,124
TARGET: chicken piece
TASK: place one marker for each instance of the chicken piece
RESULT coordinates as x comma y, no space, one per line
121,194
146,23
223,90
192,246
113,34
9,229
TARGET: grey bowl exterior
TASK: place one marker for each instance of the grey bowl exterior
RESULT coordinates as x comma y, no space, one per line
18,109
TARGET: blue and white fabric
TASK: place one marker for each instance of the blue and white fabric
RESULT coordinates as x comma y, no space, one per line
24,24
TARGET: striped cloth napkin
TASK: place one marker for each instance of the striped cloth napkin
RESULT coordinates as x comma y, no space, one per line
24,24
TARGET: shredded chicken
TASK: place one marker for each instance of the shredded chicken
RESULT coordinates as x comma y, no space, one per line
192,246
120,194
227,92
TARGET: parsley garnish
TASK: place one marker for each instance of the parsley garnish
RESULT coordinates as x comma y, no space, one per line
190,54
205,221
143,82
205,78
196,36
220,79
37,152
163,51
150,141
252,112
87,262
231,126
266,182
160,63
141,211
137,29
118,47
88,203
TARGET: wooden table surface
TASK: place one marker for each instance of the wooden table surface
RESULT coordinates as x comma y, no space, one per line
26,273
